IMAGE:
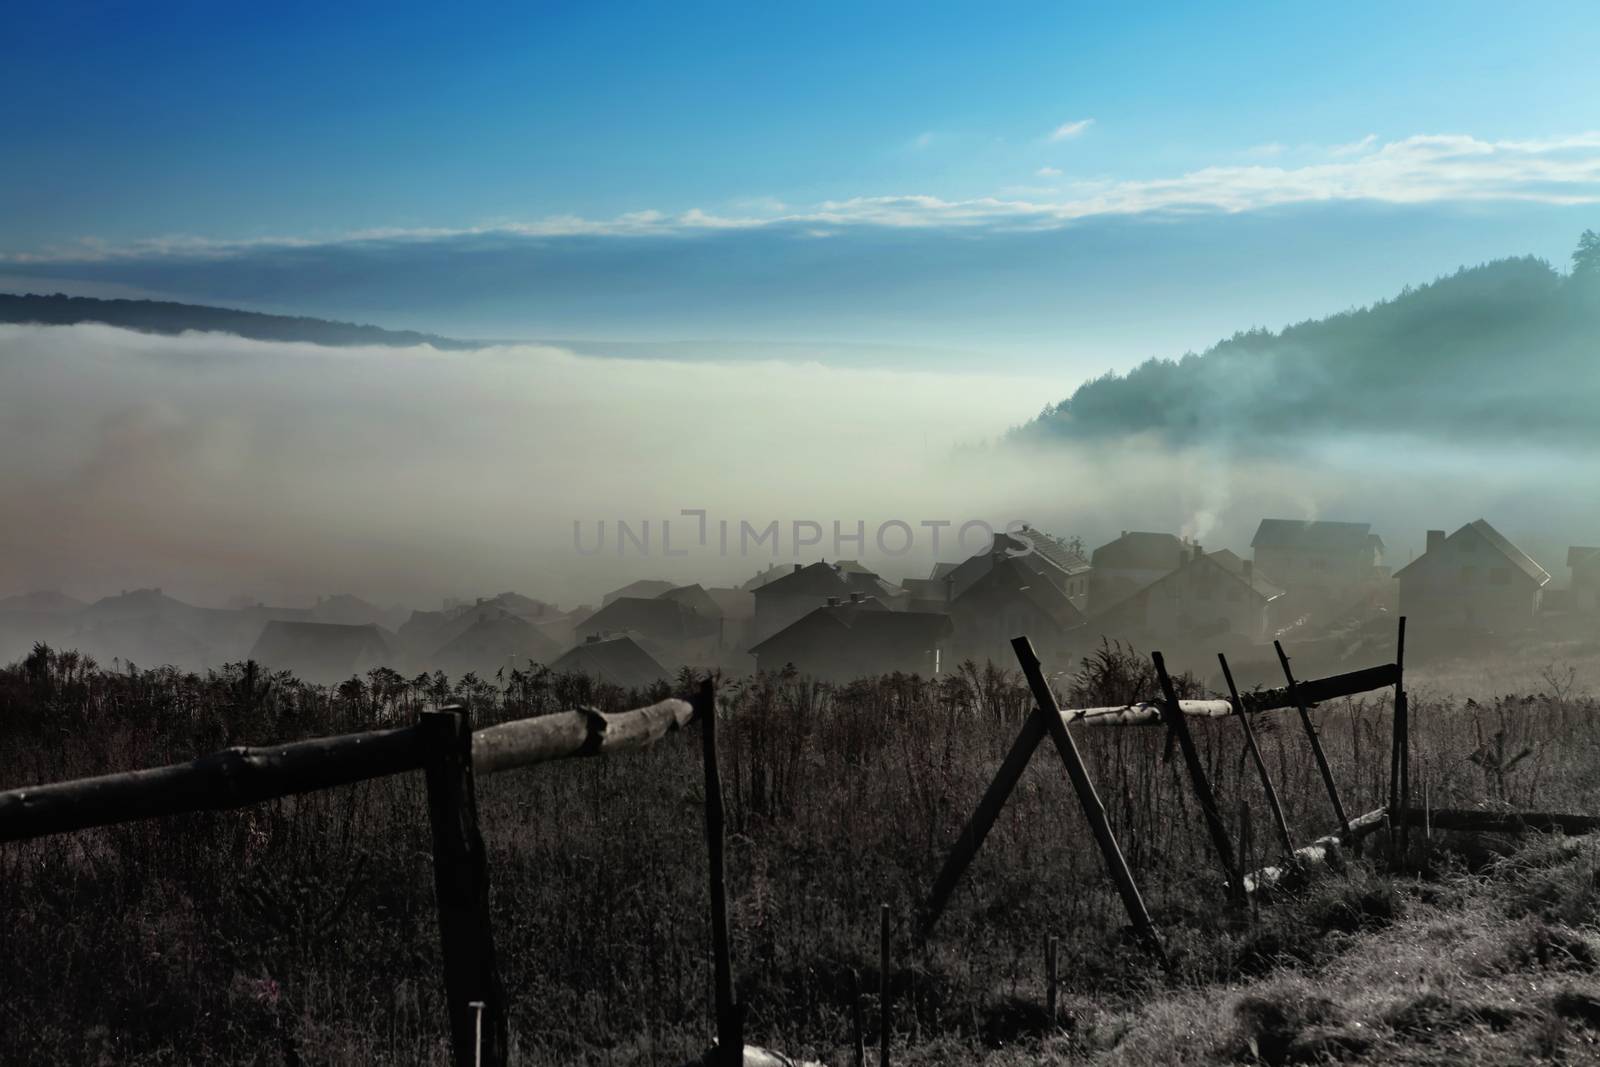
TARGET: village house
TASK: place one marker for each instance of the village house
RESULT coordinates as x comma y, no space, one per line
616,661
493,642
1321,560
1205,596
324,652
1050,559
1585,566
858,637
1474,577
803,590
1009,600
1134,561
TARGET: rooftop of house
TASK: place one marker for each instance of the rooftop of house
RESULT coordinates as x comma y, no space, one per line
655,617
816,579
1315,536
1580,557
1481,529
644,587
1140,550
616,660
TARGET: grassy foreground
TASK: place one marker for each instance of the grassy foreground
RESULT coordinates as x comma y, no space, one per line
302,931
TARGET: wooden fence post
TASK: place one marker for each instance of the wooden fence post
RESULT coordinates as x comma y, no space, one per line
730,1017
994,799
1202,786
1298,699
1255,754
1400,785
1094,812
1052,953
885,1016
461,883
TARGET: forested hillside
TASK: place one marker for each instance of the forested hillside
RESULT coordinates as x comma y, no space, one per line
160,316
1506,348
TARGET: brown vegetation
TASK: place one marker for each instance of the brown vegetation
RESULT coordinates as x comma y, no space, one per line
302,930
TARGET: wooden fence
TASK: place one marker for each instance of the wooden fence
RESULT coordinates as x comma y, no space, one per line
451,755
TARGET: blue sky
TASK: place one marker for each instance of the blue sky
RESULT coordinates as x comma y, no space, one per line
1058,184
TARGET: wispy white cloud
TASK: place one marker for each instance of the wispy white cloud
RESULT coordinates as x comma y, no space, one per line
1416,170
1068,130
924,139
1048,172
1355,148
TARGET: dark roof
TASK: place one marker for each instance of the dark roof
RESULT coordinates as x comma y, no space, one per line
733,603
644,587
1060,554
321,651
347,609
940,570
870,628
817,579
1579,556
696,599
653,617
1141,551
617,660
492,643
1012,577
761,578
1514,555
1231,562
1316,536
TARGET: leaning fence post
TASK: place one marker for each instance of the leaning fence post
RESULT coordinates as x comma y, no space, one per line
1052,954
1255,754
1094,812
967,845
730,1021
1316,742
1400,785
1197,777
461,883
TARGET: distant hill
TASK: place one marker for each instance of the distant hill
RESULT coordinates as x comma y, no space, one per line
160,316
1507,350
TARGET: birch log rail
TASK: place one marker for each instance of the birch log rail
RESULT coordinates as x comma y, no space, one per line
236,777
1315,691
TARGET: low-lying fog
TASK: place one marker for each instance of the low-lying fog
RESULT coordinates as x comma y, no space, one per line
214,466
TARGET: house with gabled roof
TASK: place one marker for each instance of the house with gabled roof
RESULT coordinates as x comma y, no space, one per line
1009,600
1204,596
1585,566
493,642
1132,562
644,588
616,661
1320,558
1049,558
1474,577
848,639
803,590
323,652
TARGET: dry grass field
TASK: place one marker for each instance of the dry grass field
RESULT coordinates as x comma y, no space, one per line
302,931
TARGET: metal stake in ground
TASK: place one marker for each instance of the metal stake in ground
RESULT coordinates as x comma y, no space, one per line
885,1018
1202,786
1297,696
1255,754
461,882
730,1019
1047,709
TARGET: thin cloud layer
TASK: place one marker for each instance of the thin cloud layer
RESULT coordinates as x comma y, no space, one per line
1415,170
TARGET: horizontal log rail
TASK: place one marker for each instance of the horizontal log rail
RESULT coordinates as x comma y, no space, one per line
240,776
1314,691
1317,852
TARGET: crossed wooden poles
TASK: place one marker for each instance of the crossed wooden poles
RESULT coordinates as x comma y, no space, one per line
1048,719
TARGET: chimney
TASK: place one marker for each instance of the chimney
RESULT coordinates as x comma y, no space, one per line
797,568
1249,569
1124,533
855,598
591,639
1199,553
1435,539
833,602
